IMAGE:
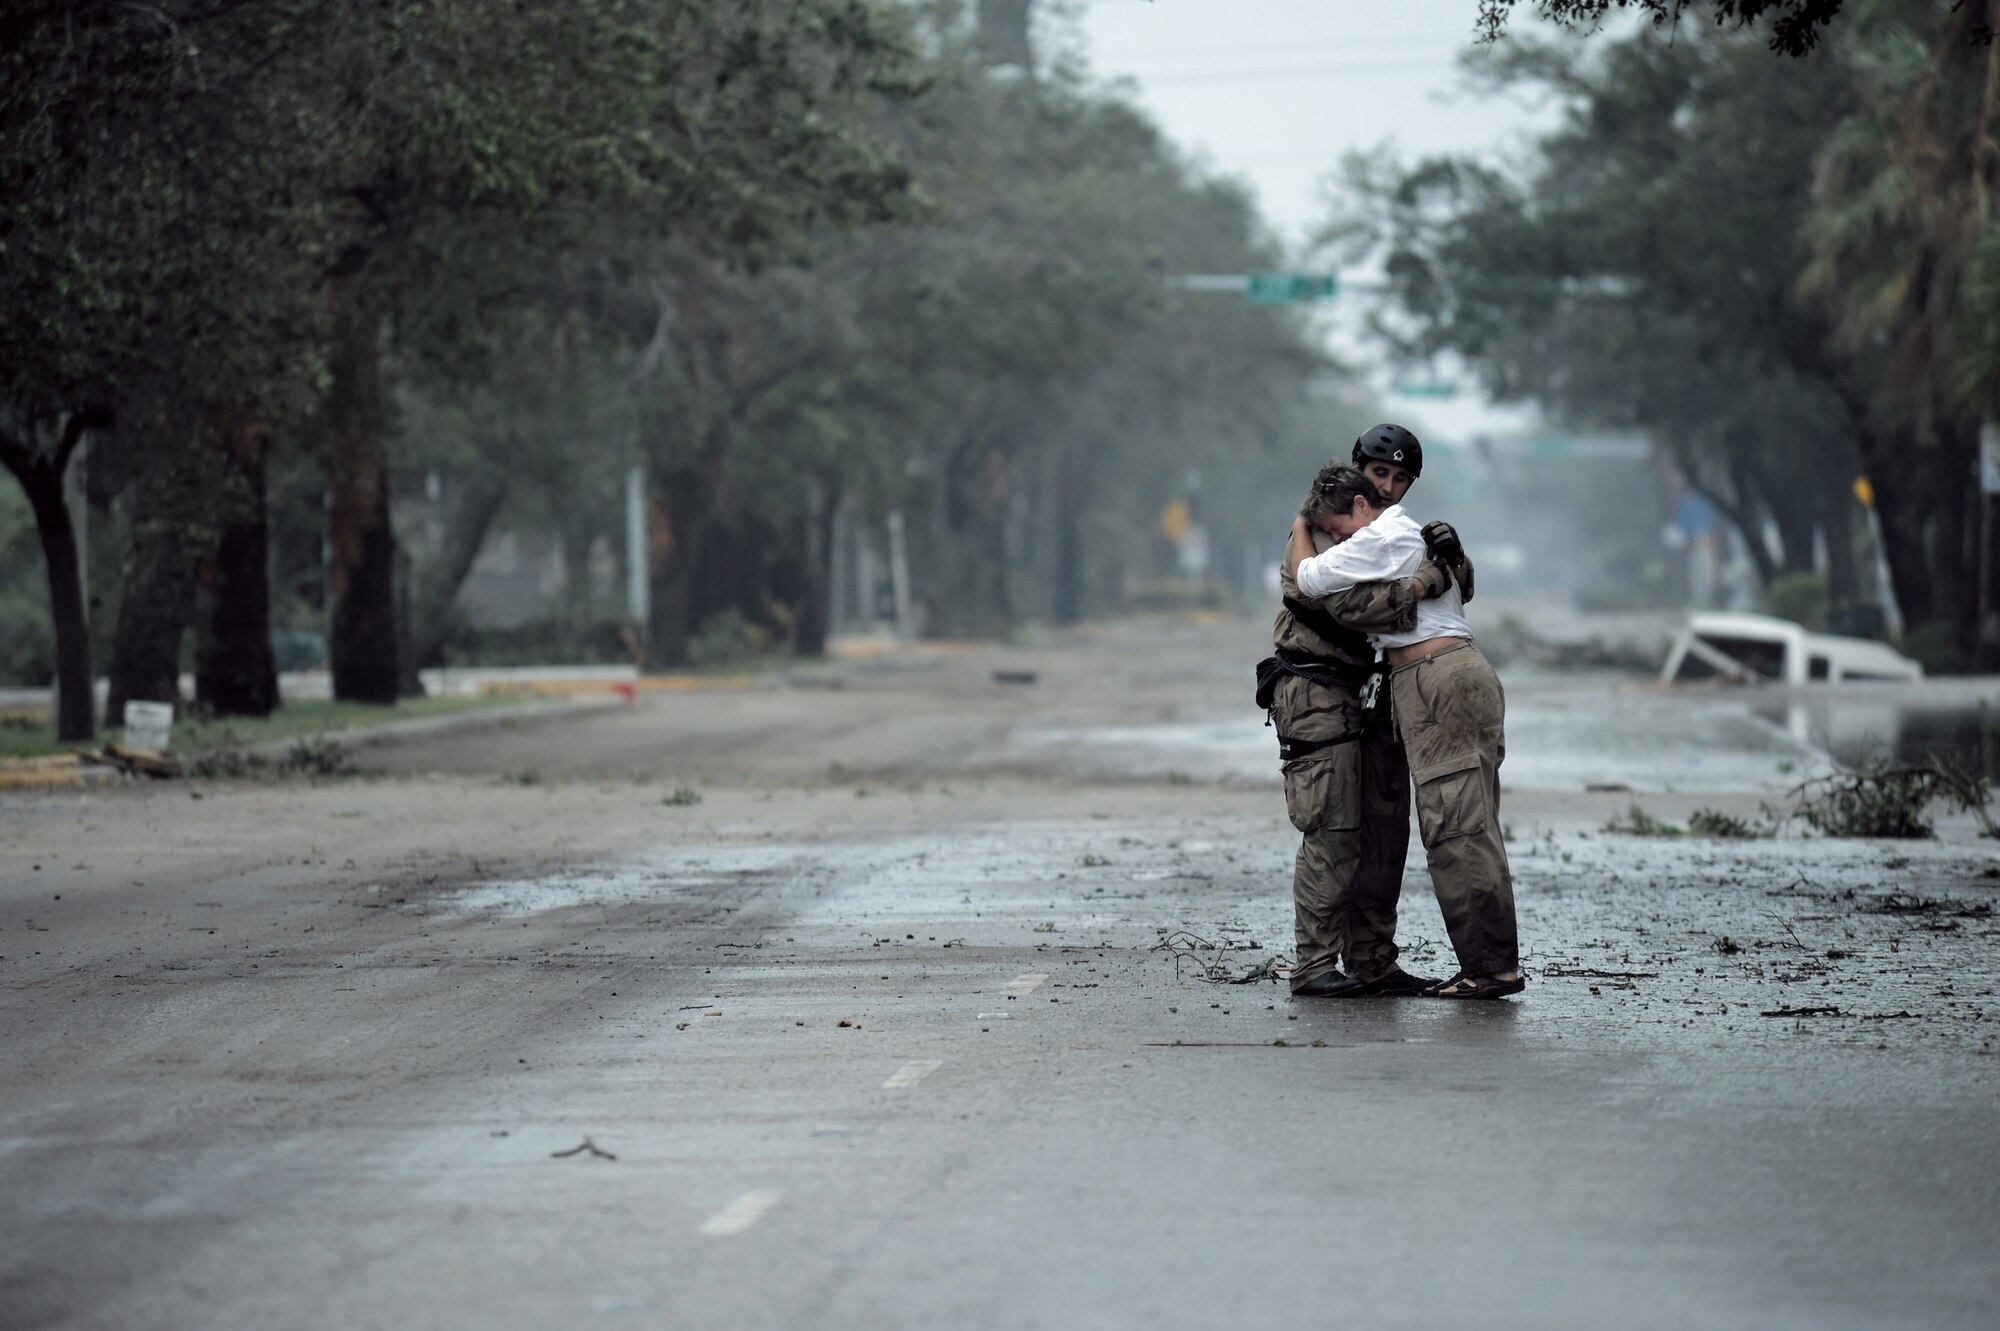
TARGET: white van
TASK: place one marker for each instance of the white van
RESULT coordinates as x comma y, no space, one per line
1747,649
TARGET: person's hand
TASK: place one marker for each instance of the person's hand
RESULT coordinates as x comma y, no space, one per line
1432,579
1443,543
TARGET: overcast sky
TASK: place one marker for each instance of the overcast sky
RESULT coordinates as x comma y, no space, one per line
1275,91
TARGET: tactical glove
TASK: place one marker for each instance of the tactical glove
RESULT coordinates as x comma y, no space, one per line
1443,543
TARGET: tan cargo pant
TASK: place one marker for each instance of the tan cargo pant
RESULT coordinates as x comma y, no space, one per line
1351,802
1450,712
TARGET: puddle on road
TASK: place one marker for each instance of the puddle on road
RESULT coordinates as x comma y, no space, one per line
875,877
1563,733
1873,726
657,877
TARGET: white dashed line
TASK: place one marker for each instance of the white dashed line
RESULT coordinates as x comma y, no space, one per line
913,1072
740,1214
1024,984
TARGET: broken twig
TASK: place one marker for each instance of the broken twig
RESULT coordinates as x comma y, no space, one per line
588,1145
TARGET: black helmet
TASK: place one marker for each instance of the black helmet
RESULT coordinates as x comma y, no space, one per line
1390,443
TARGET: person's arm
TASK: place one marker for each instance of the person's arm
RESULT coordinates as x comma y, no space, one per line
1300,547
1386,605
1376,607
1370,555
1441,540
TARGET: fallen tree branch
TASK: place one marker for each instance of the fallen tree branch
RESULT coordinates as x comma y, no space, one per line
588,1145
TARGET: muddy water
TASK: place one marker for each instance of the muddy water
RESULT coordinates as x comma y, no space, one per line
1565,731
1960,729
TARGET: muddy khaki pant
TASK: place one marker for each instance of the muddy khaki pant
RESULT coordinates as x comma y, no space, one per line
1450,712
1352,803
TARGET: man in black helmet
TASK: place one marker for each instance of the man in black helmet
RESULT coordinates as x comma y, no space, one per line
1347,784
1391,457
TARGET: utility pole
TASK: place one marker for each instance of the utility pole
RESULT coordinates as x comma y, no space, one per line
1003,33
638,557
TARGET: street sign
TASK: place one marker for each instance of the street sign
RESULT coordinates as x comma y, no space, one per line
1288,288
1437,388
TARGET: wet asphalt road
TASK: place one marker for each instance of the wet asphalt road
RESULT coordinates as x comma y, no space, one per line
903,1025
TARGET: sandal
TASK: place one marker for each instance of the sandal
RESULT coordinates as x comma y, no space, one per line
1463,986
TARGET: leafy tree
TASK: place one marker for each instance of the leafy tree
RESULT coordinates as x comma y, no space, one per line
153,225
1643,277
1901,243
730,123
1009,374
1795,24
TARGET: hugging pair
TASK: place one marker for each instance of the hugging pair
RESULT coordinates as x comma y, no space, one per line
1372,600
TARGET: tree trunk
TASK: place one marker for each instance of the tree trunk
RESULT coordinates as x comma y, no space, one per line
1796,524
436,594
679,513
41,476
1068,571
236,671
1837,524
157,605
176,493
409,677
999,562
1926,499
579,534
1900,508
361,547
1745,519
815,608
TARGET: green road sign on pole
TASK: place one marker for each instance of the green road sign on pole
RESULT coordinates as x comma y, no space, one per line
1437,388
1287,288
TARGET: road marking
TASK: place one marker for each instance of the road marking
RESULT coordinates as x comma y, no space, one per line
1024,984
740,1214
912,1072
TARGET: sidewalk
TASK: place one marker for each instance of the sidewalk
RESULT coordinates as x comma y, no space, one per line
546,692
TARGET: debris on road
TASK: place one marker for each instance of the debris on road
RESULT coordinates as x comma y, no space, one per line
1637,822
1188,947
132,761
1909,903
1879,799
587,1145
1592,973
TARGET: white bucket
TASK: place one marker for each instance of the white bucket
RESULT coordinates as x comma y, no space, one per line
148,725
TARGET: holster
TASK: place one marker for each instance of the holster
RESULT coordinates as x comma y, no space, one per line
1365,681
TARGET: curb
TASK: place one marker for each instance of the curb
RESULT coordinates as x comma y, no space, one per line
392,732
67,771
56,771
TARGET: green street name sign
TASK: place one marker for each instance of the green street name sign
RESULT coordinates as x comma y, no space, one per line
1287,288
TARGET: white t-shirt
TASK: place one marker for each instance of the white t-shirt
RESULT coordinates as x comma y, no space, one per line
1390,547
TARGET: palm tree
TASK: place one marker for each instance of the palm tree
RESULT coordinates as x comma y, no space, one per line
1904,192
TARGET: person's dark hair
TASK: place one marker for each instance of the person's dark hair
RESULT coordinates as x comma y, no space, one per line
1335,489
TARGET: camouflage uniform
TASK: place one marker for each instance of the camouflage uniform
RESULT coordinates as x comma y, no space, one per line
1350,801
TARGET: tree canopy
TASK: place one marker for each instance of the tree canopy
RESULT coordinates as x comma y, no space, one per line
1795,24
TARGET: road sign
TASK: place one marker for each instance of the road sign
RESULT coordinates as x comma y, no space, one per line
1288,288
1438,388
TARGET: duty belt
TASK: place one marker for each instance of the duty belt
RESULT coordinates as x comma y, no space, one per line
1317,669
1364,680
